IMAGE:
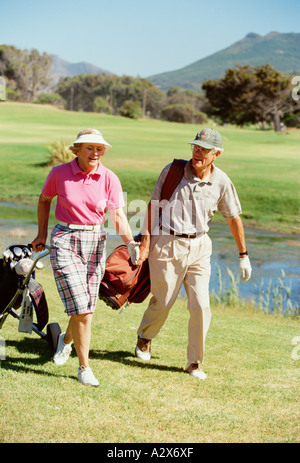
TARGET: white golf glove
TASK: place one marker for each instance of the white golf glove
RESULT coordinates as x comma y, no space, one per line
134,251
245,268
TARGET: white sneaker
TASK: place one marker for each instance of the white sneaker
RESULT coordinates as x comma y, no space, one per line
142,355
63,351
143,349
195,370
86,376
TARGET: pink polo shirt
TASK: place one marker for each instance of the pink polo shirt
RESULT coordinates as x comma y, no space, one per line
82,198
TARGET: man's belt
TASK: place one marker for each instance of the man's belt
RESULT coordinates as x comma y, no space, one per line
182,235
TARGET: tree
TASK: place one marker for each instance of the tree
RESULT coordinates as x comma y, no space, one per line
81,93
39,71
28,73
250,94
140,90
273,94
184,105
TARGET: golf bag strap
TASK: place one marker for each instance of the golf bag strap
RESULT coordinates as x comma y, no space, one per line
173,178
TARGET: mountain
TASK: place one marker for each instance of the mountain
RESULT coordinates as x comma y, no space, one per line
282,51
62,68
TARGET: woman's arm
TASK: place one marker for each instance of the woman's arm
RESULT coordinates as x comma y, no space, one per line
120,222
43,219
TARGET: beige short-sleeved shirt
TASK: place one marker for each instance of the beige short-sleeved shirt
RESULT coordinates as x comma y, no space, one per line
194,201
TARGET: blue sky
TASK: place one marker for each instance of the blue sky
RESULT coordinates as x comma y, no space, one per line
140,37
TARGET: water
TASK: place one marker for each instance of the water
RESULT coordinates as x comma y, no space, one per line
270,254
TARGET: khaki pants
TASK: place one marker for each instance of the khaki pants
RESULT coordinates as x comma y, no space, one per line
174,261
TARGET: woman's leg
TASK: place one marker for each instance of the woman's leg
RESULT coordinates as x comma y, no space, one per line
79,330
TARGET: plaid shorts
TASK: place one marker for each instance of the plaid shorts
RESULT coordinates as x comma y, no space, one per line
78,263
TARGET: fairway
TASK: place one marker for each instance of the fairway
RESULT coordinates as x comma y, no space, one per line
250,394
251,358
263,165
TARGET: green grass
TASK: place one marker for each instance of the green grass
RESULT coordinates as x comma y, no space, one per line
250,394
263,165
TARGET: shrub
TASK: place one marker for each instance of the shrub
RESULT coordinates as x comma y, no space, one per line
292,120
12,95
51,98
177,113
101,105
200,118
59,153
131,109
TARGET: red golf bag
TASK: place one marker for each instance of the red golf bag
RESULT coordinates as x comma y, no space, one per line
123,282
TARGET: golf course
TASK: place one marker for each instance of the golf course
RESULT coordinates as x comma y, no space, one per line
251,393
263,165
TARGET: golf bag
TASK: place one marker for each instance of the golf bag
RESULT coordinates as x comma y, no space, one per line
9,282
124,282
12,284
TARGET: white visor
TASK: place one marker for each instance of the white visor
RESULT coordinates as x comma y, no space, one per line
92,138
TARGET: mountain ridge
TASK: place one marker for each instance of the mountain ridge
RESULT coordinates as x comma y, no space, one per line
63,68
281,50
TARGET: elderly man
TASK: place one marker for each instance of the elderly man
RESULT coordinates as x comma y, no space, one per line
179,248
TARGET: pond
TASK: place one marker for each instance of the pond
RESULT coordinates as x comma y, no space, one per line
270,253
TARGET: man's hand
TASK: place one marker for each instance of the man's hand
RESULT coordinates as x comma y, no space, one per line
245,268
144,248
144,253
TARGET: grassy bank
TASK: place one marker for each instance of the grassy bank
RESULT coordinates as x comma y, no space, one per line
263,165
250,394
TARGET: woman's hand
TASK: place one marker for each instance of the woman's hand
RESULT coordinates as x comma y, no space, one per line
134,251
38,244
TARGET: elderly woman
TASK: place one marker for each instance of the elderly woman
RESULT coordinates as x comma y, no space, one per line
84,188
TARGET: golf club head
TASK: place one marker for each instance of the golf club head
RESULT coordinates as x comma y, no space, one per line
17,252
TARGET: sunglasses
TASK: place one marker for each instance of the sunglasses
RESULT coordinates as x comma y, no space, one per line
201,149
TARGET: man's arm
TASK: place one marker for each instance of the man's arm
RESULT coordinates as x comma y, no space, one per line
149,222
237,230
